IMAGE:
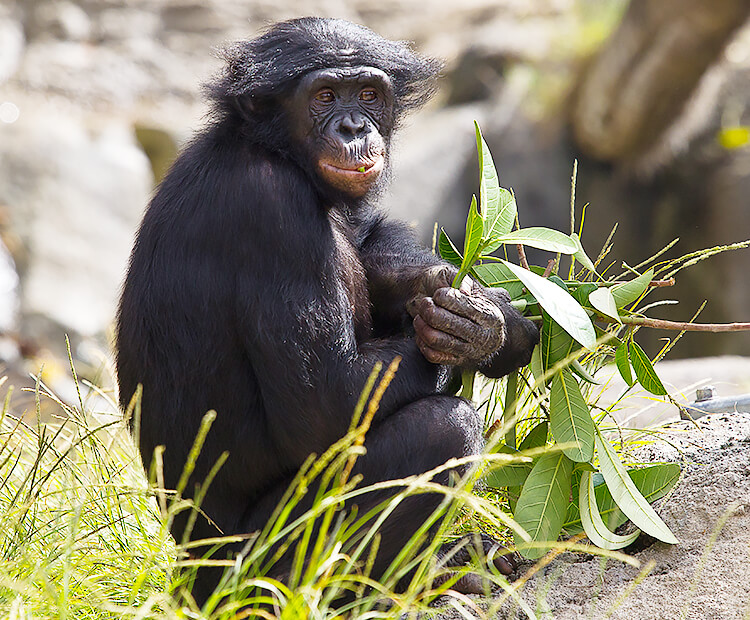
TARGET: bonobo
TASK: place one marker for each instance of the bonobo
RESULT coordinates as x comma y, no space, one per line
265,284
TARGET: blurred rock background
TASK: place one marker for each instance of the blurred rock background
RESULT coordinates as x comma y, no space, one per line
96,96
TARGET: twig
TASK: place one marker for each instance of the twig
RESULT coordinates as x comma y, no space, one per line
550,267
522,257
676,325
662,283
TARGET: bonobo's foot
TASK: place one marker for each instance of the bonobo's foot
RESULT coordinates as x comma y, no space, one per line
470,548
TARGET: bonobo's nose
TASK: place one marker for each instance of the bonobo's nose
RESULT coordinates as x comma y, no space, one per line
352,125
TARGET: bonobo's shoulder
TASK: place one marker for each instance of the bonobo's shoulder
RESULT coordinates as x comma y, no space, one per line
378,226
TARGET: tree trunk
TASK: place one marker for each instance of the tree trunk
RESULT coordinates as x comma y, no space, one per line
646,72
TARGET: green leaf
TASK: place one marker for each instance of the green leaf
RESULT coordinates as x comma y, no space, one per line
582,373
628,292
626,494
581,293
537,367
580,254
536,437
603,300
498,275
653,482
593,525
557,345
498,206
645,372
448,251
473,235
565,310
501,475
569,417
543,502
623,364
538,237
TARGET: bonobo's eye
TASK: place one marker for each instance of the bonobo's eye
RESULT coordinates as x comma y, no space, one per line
368,95
325,96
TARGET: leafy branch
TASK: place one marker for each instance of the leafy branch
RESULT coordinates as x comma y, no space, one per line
579,463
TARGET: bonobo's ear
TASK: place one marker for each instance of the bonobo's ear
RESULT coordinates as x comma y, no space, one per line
244,106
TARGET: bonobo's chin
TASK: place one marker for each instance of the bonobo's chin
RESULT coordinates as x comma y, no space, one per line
354,179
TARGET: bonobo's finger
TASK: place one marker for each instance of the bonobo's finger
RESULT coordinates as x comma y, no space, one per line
494,554
438,276
439,340
436,357
474,307
444,320
502,559
466,286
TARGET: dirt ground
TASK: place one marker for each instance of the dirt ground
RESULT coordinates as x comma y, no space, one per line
706,576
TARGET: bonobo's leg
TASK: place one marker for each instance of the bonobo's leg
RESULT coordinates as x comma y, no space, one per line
416,439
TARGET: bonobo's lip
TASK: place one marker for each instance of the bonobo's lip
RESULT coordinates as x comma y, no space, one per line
354,171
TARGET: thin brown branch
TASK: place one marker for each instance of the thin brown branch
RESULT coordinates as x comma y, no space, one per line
662,283
677,325
549,268
522,257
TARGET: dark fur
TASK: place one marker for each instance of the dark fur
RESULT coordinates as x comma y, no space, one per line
249,292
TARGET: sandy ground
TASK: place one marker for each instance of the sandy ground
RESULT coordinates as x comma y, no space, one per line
706,576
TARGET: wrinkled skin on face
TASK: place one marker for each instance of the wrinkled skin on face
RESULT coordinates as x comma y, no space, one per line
342,118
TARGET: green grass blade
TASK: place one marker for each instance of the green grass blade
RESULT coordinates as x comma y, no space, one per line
644,370
565,310
542,505
626,494
593,525
570,419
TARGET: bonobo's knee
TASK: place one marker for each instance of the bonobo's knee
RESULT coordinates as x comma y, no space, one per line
456,428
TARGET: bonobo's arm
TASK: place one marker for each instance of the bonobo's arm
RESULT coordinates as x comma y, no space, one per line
472,327
395,267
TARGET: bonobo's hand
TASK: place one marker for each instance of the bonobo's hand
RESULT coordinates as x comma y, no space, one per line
472,326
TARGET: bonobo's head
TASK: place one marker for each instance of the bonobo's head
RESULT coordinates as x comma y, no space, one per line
326,93
342,118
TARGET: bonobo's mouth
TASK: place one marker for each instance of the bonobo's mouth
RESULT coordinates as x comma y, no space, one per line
354,178
357,170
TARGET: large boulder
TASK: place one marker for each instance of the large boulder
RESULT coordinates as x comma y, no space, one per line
75,195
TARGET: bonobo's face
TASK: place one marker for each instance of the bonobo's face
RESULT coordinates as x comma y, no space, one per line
342,117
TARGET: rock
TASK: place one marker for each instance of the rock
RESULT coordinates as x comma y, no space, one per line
427,154
12,43
59,20
75,197
9,293
475,77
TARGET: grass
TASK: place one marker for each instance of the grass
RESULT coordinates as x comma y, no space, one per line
82,536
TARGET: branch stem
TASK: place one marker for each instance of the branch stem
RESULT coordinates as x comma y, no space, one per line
677,325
